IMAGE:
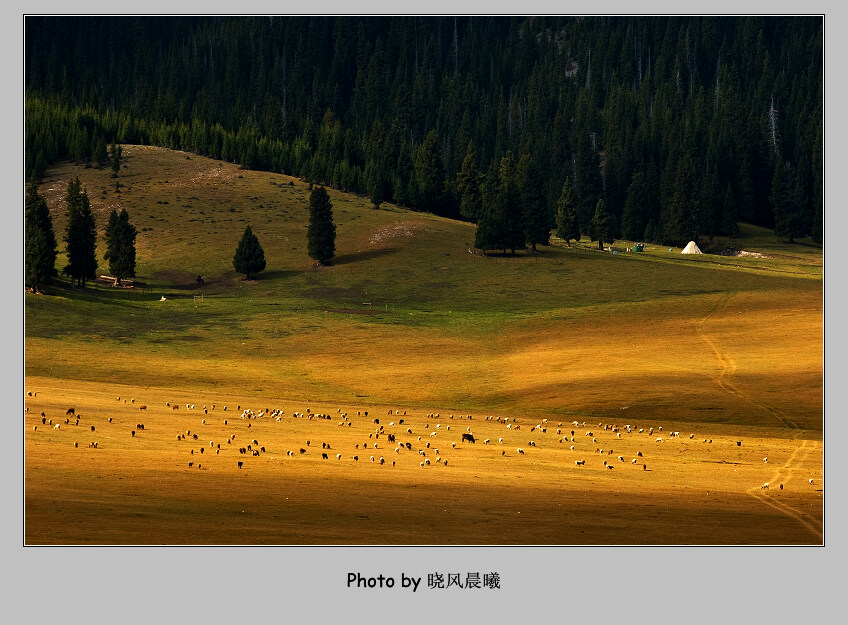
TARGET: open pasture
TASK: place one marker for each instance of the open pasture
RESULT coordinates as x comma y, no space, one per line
157,487
411,319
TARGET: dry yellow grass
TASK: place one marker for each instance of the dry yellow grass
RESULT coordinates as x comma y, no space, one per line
140,489
407,319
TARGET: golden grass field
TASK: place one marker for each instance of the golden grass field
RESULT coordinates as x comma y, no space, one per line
725,349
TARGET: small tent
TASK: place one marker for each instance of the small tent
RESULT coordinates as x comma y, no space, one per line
691,248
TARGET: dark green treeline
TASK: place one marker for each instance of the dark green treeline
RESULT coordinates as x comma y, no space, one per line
654,115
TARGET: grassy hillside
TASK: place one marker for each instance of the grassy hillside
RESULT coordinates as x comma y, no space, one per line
409,315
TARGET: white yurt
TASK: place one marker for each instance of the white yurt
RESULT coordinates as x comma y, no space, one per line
691,248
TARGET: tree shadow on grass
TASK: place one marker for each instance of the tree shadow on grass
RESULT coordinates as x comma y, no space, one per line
356,257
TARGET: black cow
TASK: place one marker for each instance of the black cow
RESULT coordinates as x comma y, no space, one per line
468,437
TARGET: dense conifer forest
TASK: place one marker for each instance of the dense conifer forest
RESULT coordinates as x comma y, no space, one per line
682,126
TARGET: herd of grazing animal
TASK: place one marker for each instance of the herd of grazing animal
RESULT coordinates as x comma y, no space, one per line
388,433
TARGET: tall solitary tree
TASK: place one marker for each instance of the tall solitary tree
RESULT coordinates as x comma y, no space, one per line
566,218
600,228
40,259
80,235
120,245
321,233
249,257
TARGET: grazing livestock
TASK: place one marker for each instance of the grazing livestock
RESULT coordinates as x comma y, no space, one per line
519,450
240,464
467,437
579,463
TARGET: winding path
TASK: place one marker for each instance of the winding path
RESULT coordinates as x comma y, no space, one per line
795,462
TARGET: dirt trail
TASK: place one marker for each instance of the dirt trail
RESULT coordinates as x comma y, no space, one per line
785,473
728,368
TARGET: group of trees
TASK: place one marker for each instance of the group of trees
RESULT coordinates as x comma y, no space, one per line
80,240
321,238
681,124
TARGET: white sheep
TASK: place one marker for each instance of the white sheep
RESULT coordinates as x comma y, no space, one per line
519,450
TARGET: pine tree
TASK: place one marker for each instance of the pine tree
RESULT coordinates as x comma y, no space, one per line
600,228
680,217
534,206
40,255
80,235
785,202
376,184
468,187
566,217
430,174
729,218
636,208
100,154
250,257
588,185
501,226
120,245
321,233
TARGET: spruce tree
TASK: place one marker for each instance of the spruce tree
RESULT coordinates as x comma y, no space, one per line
729,219
321,233
120,245
501,226
600,228
588,185
785,203
534,206
468,187
40,255
636,208
679,220
250,257
80,235
375,182
430,174
566,218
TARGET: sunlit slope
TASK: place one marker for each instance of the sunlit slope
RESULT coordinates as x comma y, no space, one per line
411,315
